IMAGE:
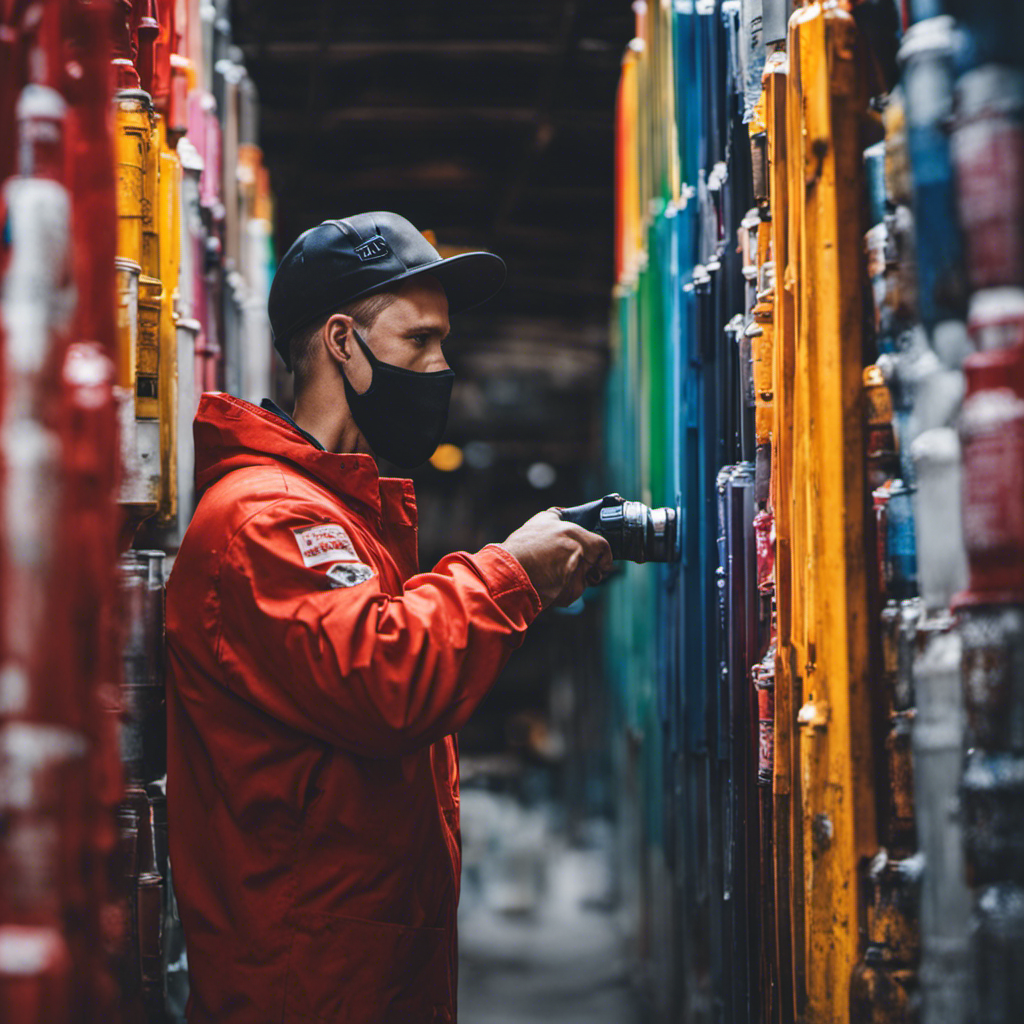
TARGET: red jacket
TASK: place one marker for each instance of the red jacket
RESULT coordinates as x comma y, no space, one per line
315,683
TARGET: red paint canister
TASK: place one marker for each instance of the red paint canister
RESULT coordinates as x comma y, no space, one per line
992,438
988,153
764,540
996,318
763,675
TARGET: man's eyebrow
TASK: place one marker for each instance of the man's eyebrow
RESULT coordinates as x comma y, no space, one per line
428,329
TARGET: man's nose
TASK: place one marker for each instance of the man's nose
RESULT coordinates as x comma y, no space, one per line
437,362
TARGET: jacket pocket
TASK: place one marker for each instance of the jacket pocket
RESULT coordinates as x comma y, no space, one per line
343,970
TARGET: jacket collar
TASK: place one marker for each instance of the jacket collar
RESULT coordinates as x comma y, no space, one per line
271,406
233,434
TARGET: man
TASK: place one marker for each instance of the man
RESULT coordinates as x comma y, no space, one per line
315,678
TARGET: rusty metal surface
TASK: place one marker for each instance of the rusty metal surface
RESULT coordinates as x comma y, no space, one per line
830,650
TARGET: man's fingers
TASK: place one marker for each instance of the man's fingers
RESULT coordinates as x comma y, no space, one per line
595,547
564,556
595,555
597,551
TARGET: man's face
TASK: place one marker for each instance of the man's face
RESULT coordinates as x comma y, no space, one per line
408,333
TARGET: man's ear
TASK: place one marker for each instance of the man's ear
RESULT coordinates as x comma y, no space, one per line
338,337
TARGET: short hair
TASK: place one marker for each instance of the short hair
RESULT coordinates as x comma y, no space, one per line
364,311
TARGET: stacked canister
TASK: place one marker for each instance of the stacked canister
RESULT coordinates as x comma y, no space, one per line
194,263
194,248
821,289
134,267
920,341
987,144
62,923
947,254
950,336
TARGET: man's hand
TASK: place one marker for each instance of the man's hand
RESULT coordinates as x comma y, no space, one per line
561,559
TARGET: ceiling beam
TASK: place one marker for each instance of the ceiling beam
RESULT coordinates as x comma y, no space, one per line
290,122
303,50
431,177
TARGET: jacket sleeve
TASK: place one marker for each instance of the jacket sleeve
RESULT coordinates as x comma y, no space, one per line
378,675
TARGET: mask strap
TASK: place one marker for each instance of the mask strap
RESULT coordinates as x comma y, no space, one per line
371,359
374,361
376,364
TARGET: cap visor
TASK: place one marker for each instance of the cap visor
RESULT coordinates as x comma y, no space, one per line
468,278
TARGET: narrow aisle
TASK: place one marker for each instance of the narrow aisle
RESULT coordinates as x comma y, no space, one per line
540,938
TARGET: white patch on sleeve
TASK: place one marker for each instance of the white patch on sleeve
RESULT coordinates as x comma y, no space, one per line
327,542
348,574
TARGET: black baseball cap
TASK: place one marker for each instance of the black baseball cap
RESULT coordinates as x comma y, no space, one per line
341,260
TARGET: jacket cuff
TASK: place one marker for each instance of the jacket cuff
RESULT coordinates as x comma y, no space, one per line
506,578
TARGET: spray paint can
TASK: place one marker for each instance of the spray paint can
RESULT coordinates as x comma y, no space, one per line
150,918
763,675
897,159
902,832
993,675
937,745
764,541
143,740
998,945
879,509
884,984
892,917
993,797
882,460
899,622
900,542
942,561
927,58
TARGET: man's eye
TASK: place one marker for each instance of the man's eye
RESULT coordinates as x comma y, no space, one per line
421,339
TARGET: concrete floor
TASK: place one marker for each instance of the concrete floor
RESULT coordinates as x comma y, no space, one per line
539,936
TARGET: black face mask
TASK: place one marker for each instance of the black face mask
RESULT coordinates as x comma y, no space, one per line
402,414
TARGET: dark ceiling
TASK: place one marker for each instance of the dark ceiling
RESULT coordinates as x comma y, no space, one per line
489,122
